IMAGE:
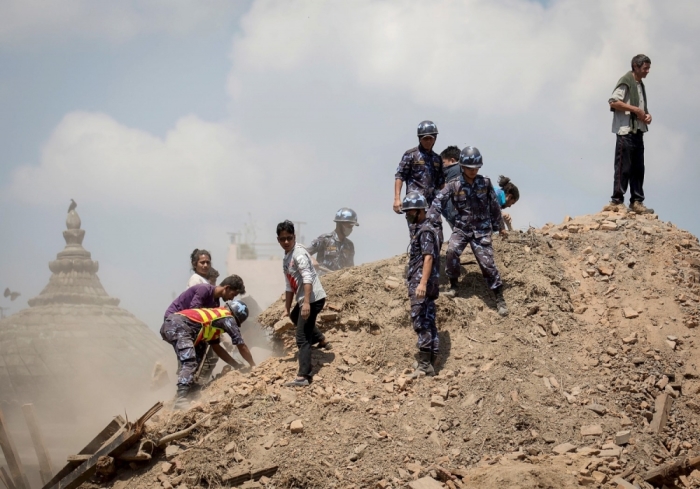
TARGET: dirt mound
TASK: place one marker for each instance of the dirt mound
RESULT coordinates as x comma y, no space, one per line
592,376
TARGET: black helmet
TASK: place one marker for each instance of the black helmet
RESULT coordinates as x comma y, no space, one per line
346,214
427,128
239,310
471,158
413,200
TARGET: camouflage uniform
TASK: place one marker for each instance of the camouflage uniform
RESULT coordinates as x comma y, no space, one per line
478,215
422,172
181,333
332,252
423,311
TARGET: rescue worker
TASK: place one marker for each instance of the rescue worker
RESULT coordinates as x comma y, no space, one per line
451,170
207,296
302,284
421,169
422,279
191,330
478,216
334,250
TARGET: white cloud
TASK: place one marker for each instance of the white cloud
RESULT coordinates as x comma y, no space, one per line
23,21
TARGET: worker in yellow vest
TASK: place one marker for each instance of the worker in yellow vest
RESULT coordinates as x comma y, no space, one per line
189,332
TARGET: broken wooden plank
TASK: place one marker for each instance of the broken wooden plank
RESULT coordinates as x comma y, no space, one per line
121,441
670,470
239,476
42,454
662,406
19,478
94,444
5,478
268,471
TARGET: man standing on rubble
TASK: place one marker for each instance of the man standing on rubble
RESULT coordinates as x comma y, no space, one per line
190,331
334,250
478,216
422,279
421,169
302,284
631,119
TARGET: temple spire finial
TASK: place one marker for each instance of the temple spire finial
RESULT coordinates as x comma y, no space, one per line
73,219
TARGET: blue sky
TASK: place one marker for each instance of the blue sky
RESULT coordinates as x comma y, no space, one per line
169,123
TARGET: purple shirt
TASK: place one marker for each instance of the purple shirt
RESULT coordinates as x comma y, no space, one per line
196,297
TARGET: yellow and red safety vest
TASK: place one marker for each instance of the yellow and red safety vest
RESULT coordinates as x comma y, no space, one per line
206,317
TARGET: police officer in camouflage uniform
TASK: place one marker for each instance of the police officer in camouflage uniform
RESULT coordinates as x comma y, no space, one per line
478,215
334,250
422,279
421,169
190,331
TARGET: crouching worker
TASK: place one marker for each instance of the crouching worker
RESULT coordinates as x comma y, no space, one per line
191,330
422,279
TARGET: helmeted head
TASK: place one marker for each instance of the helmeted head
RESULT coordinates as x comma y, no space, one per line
239,310
470,157
427,128
414,206
346,220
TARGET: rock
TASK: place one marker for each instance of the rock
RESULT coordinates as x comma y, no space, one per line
353,321
328,316
610,453
584,480
358,452
437,401
599,477
166,467
591,430
597,408
608,226
606,270
426,482
630,313
564,448
284,324
296,426
171,451
391,284
622,437
231,447
621,483
580,309
554,328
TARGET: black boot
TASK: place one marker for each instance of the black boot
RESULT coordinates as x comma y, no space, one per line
452,291
182,398
425,363
500,302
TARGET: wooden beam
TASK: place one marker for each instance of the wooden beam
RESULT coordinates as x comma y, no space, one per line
6,479
19,478
672,469
45,468
662,406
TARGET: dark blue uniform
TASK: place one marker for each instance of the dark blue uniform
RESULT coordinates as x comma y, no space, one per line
425,241
421,170
478,215
181,333
332,252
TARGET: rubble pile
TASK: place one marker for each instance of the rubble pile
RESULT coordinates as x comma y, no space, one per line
592,380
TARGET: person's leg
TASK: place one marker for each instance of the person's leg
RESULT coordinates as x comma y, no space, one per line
421,325
455,247
430,318
315,335
483,252
637,169
622,168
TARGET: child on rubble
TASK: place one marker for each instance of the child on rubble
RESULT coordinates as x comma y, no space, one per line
507,195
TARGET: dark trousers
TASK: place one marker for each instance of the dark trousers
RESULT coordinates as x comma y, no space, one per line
629,168
307,334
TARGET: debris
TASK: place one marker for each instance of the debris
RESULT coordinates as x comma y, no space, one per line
630,313
296,426
591,430
19,478
182,433
622,437
662,406
564,448
42,454
426,482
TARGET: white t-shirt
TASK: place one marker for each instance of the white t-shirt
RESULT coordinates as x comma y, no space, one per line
196,279
298,270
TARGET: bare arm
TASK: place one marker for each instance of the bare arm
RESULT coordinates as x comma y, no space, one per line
223,354
245,353
427,269
288,297
398,183
306,306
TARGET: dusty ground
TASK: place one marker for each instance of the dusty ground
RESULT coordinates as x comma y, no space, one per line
604,313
